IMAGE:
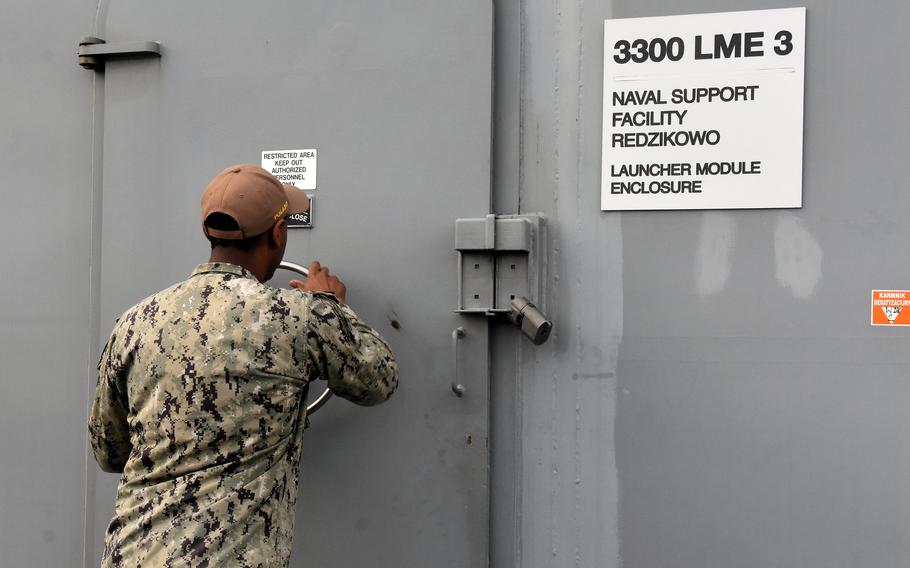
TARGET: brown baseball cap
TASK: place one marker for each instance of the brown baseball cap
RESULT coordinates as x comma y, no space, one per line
252,197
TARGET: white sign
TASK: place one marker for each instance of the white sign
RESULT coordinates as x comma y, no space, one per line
704,111
294,167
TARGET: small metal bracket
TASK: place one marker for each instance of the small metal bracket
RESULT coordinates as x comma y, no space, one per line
500,258
93,51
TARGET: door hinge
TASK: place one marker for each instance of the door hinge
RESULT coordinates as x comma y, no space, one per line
93,51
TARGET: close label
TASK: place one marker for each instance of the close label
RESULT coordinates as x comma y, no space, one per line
302,220
703,111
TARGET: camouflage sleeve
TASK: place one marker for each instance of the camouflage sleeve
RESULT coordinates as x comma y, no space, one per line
355,360
107,424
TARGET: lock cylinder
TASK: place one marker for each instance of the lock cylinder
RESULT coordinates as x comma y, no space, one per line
533,324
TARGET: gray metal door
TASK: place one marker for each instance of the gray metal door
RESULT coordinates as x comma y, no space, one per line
396,98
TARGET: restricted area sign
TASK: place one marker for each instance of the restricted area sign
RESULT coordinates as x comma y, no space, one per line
294,167
890,307
704,111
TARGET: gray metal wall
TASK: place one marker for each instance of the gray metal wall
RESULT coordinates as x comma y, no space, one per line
46,190
713,394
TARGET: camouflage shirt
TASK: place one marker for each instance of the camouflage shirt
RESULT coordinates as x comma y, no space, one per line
201,403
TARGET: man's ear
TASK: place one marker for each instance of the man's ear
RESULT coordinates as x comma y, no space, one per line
277,233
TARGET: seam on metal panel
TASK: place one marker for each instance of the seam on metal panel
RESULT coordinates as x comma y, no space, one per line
555,476
578,350
522,50
94,315
518,487
100,25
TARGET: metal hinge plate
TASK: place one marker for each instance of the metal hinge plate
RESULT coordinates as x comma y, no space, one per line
93,51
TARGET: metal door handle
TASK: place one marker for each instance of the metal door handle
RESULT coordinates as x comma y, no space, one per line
327,394
457,387
294,267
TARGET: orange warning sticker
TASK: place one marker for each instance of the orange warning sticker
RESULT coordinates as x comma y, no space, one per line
890,307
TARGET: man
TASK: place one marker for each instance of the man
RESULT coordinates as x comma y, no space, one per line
201,395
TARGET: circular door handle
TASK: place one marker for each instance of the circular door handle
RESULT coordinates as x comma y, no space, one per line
327,394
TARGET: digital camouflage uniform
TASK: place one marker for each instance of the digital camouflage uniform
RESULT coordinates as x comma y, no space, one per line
201,403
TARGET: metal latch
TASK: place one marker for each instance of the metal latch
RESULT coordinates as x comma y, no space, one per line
501,270
93,51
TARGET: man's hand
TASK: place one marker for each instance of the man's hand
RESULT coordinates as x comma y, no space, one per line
320,280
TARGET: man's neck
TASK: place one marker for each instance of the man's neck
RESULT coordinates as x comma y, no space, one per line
240,258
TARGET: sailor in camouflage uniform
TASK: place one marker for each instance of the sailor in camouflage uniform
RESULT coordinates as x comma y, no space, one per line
201,395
